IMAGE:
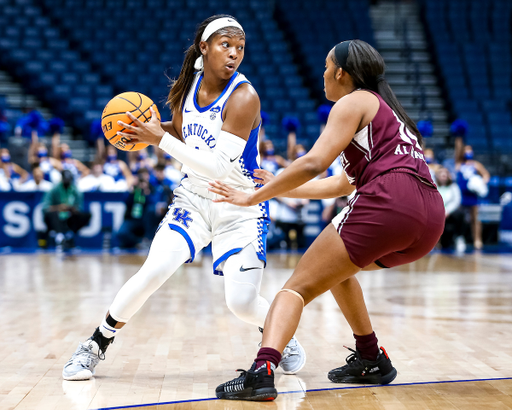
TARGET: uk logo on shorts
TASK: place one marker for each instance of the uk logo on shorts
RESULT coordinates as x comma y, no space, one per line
182,216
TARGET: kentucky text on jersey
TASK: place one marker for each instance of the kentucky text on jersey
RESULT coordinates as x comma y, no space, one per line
201,132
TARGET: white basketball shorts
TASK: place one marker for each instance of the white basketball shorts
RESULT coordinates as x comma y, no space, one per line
228,227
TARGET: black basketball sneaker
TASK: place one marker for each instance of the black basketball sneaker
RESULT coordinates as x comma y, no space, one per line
253,384
362,371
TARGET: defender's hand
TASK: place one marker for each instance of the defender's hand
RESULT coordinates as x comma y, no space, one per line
263,176
231,195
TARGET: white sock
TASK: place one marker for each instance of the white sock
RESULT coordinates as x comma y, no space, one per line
107,330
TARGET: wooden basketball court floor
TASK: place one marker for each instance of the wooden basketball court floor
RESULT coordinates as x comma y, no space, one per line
445,321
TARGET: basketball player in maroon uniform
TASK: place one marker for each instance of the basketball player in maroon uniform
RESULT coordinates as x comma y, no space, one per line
395,217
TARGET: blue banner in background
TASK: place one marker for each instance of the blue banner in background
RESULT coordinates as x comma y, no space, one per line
21,216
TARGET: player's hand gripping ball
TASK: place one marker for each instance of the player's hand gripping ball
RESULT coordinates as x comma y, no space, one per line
138,105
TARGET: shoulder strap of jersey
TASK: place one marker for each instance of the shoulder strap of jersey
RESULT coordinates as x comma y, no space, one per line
239,80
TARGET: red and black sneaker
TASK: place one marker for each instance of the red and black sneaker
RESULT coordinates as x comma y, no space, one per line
253,384
362,371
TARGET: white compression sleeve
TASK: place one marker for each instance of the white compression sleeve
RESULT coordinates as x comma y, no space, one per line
243,272
216,164
168,252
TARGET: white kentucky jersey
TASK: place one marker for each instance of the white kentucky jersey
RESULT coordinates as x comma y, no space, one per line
201,128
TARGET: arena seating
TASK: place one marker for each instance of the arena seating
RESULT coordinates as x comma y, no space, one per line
314,27
75,59
140,48
472,44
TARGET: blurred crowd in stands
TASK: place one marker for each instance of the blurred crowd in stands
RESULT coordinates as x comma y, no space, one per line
149,177
462,181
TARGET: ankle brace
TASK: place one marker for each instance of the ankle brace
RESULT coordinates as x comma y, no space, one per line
102,341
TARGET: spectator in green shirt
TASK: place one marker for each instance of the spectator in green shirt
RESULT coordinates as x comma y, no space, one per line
63,211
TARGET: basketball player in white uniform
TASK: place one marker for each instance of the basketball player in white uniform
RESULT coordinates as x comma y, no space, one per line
216,113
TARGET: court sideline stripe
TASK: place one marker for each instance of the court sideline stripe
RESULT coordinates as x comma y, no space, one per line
132,406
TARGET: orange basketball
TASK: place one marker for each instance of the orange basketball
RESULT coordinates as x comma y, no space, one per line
115,110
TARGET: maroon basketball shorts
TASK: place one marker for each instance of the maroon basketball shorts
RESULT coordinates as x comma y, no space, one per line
393,220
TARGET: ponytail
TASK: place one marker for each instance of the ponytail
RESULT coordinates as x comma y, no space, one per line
182,84
366,67
384,90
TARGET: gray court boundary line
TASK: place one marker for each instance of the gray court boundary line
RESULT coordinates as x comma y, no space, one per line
131,406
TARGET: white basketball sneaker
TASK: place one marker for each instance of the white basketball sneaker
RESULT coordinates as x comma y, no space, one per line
82,363
293,358
86,357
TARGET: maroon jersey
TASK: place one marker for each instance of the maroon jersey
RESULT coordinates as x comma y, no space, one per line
384,144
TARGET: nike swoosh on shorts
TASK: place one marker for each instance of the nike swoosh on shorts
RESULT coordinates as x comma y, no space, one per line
242,269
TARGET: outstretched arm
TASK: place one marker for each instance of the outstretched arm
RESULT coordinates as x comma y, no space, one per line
331,187
345,119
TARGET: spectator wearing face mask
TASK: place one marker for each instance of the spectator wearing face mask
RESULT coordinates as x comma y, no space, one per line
140,160
268,158
472,178
76,167
51,167
118,170
430,159
12,172
454,223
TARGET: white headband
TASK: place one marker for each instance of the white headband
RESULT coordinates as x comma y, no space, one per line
211,28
